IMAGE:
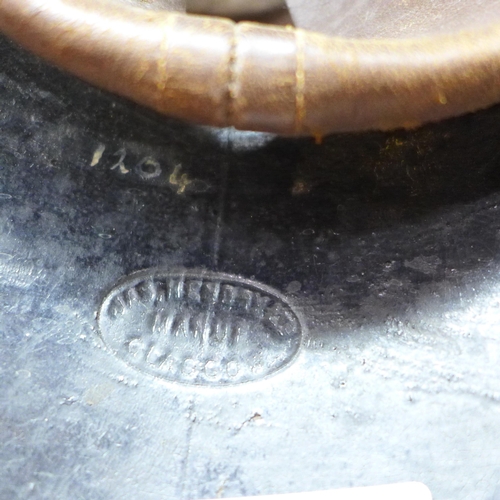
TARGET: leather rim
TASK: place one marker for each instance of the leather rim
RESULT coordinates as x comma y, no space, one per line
214,71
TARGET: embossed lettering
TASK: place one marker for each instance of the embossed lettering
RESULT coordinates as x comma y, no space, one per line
199,327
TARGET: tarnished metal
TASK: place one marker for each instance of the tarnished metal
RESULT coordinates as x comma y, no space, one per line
386,244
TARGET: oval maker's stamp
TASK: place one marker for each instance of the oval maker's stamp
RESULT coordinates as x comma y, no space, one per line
199,327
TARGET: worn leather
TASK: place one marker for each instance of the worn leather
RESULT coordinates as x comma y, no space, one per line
171,5
278,79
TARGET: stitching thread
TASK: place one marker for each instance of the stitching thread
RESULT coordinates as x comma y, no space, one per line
300,79
232,77
161,64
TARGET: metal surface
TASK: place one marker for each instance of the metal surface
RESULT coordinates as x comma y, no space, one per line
392,18
408,491
387,245
234,8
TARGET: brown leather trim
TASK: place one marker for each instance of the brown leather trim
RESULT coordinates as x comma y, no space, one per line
216,72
